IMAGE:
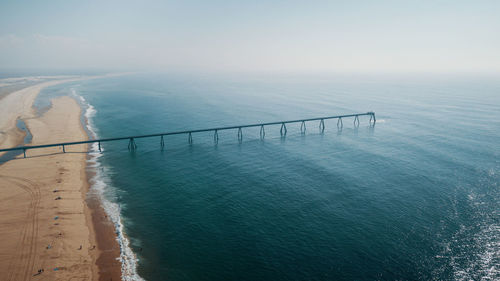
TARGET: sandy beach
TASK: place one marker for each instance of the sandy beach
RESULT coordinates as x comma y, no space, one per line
47,221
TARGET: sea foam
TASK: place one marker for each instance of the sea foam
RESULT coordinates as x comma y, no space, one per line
100,185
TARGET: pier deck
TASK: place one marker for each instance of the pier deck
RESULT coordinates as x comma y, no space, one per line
133,146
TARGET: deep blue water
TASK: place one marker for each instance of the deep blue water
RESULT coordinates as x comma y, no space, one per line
417,196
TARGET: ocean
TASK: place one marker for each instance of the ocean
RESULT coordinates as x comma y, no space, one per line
415,197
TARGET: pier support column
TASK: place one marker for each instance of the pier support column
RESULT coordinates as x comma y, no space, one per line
322,126
303,128
372,118
99,144
190,138
283,129
162,142
131,144
240,135
216,137
356,121
262,132
340,124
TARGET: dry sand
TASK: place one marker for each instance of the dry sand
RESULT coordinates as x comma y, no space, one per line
19,105
36,230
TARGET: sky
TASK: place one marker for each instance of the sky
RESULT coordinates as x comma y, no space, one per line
460,36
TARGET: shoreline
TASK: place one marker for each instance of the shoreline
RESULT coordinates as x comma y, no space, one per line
107,212
84,217
103,235
19,105
104,230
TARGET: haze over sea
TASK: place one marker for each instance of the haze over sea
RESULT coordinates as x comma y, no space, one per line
416,196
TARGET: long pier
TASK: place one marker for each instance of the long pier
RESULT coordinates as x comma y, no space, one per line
283,130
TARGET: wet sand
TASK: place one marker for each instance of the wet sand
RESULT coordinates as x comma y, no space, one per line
47,221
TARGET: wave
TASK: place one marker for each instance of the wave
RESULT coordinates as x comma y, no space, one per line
100,185
473,252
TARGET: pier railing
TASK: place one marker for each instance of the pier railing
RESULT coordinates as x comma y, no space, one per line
283,130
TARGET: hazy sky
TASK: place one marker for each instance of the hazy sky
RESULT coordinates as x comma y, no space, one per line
217,35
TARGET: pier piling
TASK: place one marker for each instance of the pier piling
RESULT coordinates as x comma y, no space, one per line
339,123
216,137
303,128
240,135
283,129
322,126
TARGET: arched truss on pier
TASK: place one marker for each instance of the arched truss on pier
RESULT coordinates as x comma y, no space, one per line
283,129
303,128
372,119
356,121
322,126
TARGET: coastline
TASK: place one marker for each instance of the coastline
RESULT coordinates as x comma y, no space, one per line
39,231
103,235
107,213
19,105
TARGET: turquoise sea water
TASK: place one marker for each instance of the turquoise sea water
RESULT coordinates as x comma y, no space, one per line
417,196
